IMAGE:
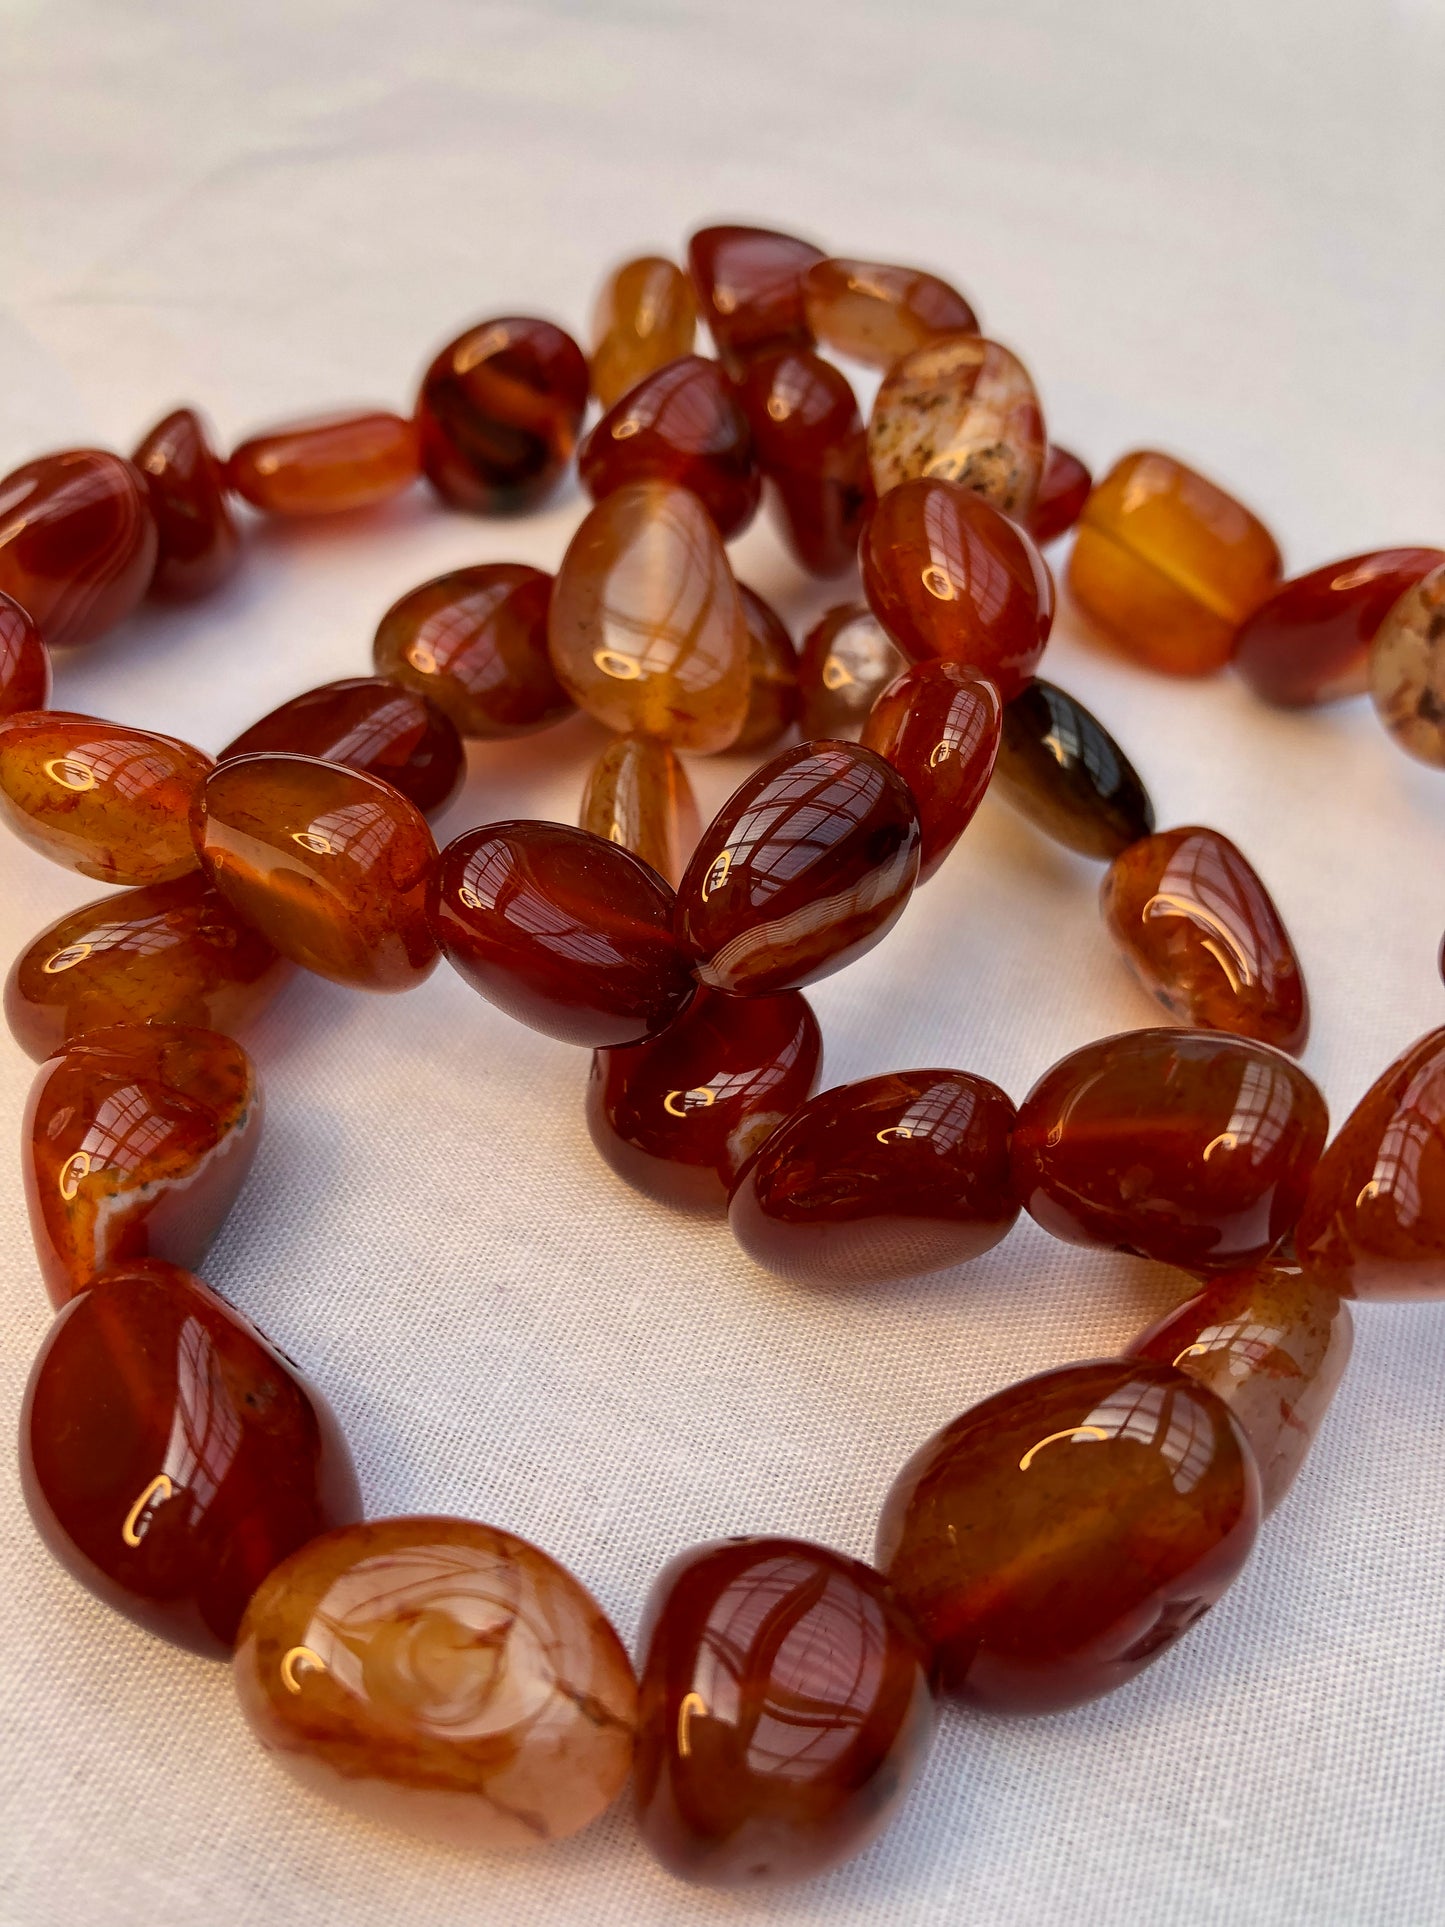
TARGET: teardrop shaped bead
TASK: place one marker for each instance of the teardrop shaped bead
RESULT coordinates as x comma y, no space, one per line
442,1677
682,425
1407,670
960,409
749,287
327,465
939,727
876,313
847,660
1310,641
645,317
171,1458
638,795
1060,767
198,545
24,661
810,444
1063,491
772,675
77,542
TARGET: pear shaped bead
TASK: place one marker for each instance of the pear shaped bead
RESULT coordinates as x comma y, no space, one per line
645,317
198,543
960,409
749,285
1310,641
77,542
939,728
875,313
24,661
1407,670
638,796
772,675
810,445
681,425
847,660
1062,494
1060,767
499,412
326,466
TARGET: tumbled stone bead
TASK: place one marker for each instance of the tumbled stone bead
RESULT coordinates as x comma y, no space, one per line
749,287
772,675
1186,1146
646,630
1201,933
562,930
680,1115
1407,670
1310,641
171,1458
1059,1536
807,865
784,1711
847,660
499,412
137,1140
198,546
1273,1343
939,728
1168,566
960,409
370,724
1060,767
645,317
949,576
111,802
331,866
1063,491
811,447
77,542
442,1677
638,795
328,465
876,313
682,425
168,953
24,661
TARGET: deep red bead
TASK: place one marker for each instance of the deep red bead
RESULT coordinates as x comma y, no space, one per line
682,425
749,284
1310,642
940,728
77,542
1061,497
24,661
198,546
812,448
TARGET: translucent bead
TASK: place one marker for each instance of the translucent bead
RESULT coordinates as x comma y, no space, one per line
876,313
198,546
960,409
77,542
499,412
846,662
645,317
1407,670
810,445
939,728
1062,494
24,661
328,465
638,796
772,675
681,425
1310,641
1060,767
749,286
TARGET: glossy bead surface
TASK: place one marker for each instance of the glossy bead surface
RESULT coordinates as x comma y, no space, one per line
111,802
682,425
329,865
198,546
24,661
1058,1537
1407,670
442,1677
1310,641
1063,491
646,630
1168,565
171,1458
137,1140
938,726
328,465
645,317
749,287
499,412
810,445
772,675
1201,933
960,409
638,796
77,542
807,865
784,1711
562,930
846,662
1060,767
876,313
1186,1146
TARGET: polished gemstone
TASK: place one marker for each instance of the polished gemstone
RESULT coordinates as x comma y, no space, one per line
960,409
499,413
939,728
811,447
77,542
645,317
198,546
846,662
683,425
772,675
1060,767
1310,642
1407,670
749,286
327,465
876,313
638,795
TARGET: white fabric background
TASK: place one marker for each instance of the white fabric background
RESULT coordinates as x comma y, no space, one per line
1215,229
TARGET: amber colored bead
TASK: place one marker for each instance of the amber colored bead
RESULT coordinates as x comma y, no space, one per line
647,631
784,1711
1407,670
327,465
939,728
499,411
683,425
367,723
772,675
1273,1343
561,929
1059,1536
171,1458
77,542
638,795
960,409
198,546
811,446
876,313
442,1677
749,286
331,866
1186,1146
947,575
138,1139
111,802
1060,767
24,661
680,1115
846,662
645,317
1168,566
1062,494
1201,933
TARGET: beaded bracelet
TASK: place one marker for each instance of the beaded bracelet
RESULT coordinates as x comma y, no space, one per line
1049,1543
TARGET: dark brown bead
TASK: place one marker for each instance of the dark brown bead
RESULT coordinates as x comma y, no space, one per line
198,545
749,284
846,662
812,448
499,412
939,728
681,425
24,661
1310,642
77,542
1061,497
772,675
1060,767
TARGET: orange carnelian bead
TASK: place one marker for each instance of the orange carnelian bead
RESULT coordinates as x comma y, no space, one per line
77,542
329,865
170,1457
939,728
198,546
684,425
1310,642
784,1711
1060,767
1407,670
645,317
1058,1537
749,285
772,675
960,409
111,802
877,313
846,661
1062,494
1201,933
138,1138
326,465
1168,565
1186,1146
811,446
24,661
638,795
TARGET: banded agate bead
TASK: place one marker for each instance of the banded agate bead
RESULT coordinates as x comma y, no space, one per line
876,313
638,795
847,660
1060,767
811,447
960,409
939,728
645,317
772,675
77,542
1407,670
749,287
499,413
328,465
1310,641
1063,491
24,661
198,546
682,425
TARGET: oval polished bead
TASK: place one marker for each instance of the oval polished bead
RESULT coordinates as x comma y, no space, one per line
646,630
784,1711
1059,1536
807,865
367,723
439,1676
1063,491
1310,641
1272,1343
876,313
811,446
1201,933
24,661
111,802
329,865
645,317
138,1139
847,660
171,1458
960,409
327,465
1168,565
682,425
77,542
939,728
680,1115
749,287
198,545
499,412
638,796
1407,670
772,675
1186,1146
1060,767
562,930
947,575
